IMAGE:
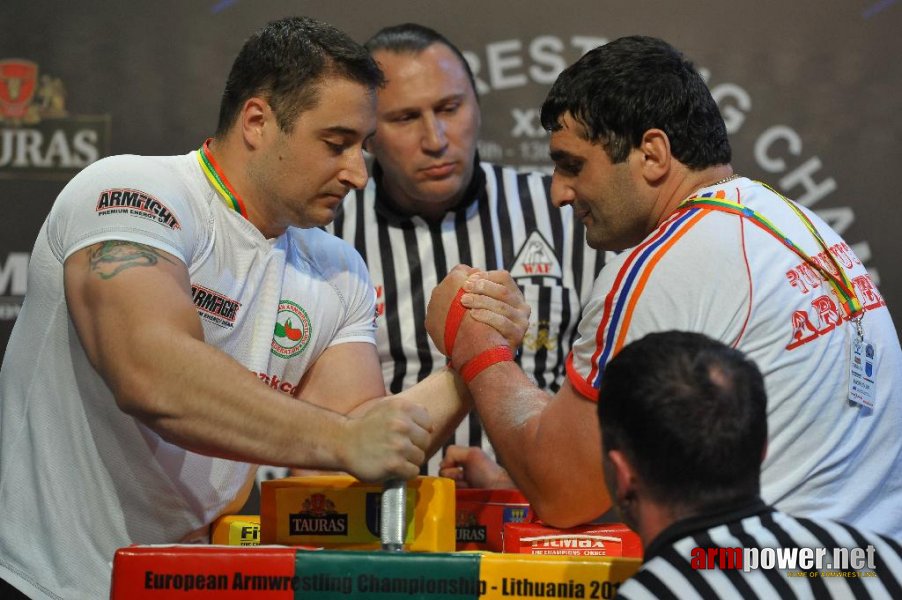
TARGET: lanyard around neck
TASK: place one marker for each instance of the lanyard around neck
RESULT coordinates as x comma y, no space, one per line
218,180
840,282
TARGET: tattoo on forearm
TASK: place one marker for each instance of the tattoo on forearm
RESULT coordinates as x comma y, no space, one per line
113,257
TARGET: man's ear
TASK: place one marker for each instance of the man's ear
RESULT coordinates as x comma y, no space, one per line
256,116
623,476
655,155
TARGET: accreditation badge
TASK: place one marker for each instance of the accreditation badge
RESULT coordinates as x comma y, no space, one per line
863,373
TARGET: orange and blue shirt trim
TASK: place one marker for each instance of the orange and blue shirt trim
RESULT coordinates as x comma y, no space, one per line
623,297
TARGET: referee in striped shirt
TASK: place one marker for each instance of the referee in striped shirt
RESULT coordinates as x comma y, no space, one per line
432,204
684,430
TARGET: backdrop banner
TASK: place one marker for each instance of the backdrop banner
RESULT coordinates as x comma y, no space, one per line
810,92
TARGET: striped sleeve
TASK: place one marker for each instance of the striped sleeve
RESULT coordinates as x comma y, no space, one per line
671,573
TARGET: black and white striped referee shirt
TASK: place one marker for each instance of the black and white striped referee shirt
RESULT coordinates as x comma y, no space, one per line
507,222
754,551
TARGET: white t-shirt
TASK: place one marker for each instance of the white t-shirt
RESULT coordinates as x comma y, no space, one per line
721,275
79,477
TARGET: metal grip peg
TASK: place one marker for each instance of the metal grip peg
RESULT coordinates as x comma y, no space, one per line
393,515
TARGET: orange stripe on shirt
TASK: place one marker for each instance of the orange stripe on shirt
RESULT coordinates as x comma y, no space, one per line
637,292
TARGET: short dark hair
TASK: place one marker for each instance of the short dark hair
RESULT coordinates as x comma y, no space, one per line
413,38
690,413
285,62
622,89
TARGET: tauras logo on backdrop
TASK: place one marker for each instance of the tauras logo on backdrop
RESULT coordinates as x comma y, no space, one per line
39,139
13,277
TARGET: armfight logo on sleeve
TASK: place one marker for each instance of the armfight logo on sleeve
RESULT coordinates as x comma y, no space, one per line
215,307
39,139
136,203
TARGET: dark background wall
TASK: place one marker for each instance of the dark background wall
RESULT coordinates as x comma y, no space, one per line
811,92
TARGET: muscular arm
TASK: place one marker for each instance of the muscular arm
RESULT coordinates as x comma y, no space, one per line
443,395
550,445
446,399
132,309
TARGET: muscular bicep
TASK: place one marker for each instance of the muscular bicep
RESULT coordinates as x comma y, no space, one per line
127,301
570,419
343,377
566,455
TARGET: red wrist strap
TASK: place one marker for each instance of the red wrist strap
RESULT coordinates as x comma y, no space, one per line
452,323
484,360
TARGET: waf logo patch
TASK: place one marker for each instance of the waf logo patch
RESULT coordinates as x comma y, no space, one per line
536,259
135,203
292,330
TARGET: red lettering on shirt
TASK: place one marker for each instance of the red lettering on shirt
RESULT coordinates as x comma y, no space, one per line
796,281
275,383
867,292
802,330
827,312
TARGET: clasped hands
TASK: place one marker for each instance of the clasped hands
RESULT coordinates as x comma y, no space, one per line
390,436
493,314
496,314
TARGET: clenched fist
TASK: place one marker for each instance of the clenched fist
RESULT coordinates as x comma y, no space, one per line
389,441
